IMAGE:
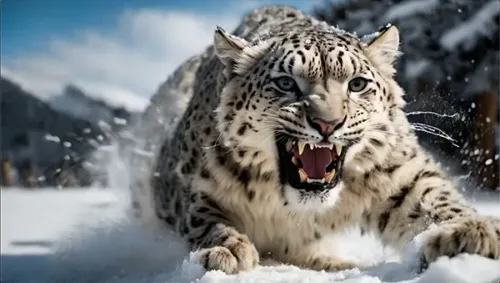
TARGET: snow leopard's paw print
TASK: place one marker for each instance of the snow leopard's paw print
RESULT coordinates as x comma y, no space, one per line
473,235
233,253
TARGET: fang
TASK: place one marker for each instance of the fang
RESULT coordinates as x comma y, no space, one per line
303,175
338,148
329,176
301,146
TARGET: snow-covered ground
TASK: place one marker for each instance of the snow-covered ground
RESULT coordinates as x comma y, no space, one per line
83,235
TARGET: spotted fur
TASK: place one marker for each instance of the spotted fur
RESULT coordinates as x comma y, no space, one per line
217,182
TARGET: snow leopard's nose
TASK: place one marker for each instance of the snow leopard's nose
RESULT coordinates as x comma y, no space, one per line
325,113
326,128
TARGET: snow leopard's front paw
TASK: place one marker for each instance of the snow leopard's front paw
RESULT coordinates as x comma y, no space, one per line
473,235
233,253
332,264
326,263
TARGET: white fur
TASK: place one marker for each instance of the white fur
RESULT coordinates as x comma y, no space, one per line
312,202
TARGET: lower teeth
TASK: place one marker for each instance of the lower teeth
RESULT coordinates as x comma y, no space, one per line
315,180
327,178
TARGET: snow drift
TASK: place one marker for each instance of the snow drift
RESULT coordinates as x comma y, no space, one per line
97,242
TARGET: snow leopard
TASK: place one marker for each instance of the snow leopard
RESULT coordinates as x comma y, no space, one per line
289,130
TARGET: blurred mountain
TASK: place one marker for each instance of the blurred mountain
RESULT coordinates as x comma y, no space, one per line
450,64
49,142
73,101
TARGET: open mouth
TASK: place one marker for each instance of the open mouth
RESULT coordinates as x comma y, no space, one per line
311,167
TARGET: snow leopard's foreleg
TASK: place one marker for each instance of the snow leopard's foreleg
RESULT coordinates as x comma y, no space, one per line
218,245
429,197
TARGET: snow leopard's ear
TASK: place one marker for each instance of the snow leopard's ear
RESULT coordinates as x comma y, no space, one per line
236,53
228,48
383,48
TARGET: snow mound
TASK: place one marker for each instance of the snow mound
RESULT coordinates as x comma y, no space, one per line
129,253
100,244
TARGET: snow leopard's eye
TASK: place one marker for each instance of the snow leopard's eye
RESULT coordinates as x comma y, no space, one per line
358,84
285,83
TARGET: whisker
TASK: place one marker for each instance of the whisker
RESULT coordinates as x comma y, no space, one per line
433,131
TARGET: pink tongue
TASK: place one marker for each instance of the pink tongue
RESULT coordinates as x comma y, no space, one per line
315,161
